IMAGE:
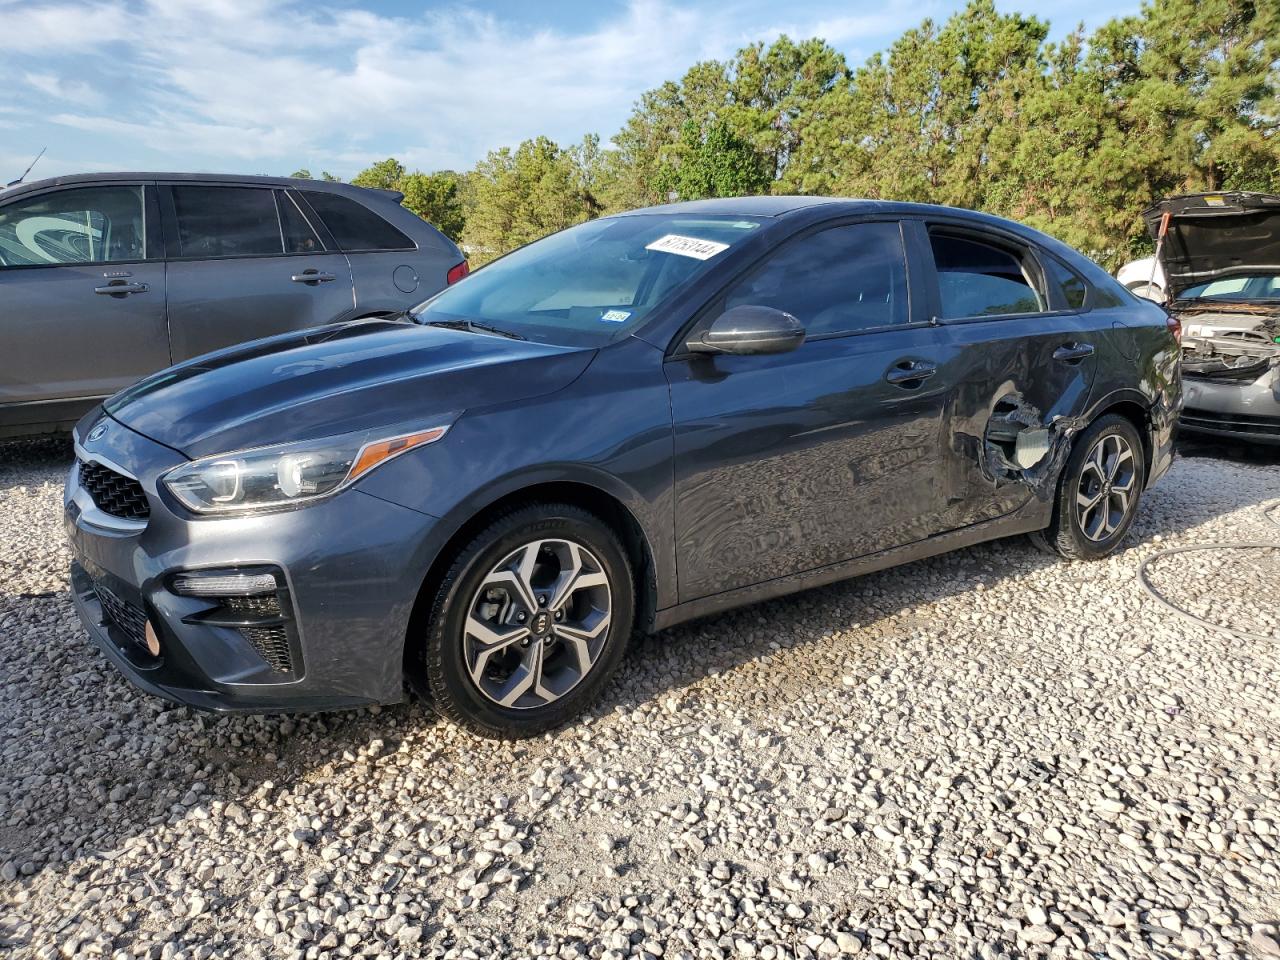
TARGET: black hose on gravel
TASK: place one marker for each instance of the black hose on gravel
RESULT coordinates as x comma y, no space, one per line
1186,614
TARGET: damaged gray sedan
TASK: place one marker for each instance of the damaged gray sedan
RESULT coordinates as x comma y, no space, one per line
1220,253
639,420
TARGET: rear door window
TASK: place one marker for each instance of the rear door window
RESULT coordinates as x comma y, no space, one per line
977,279
354,226
106,224
836,281
215,221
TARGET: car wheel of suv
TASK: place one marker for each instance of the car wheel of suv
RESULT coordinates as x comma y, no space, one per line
532,617
1098,492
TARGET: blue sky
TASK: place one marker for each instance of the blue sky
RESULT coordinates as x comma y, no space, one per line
267,86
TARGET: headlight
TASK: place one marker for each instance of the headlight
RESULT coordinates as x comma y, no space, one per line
286,474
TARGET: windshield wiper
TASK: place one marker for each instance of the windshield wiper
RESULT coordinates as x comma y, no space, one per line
474,326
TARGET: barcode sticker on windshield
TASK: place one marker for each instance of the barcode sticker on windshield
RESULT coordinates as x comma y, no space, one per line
687,246
615,316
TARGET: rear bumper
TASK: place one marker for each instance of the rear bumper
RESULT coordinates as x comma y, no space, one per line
1248,412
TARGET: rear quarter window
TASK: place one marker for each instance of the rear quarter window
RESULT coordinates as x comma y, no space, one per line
354,226
1070,284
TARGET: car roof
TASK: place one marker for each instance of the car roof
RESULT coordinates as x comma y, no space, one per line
71,179
783,206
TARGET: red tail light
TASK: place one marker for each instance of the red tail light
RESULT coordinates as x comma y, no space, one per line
457,272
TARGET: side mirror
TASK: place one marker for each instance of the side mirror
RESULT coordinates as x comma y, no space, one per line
749,329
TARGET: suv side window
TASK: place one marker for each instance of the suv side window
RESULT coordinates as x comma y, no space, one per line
836,281
295,228
216,221
355,227
106,224
977,279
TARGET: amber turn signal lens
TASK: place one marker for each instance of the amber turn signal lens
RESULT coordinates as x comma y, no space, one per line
374,453
153,641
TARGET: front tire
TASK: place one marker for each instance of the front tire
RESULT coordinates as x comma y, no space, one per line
529,622
1098,491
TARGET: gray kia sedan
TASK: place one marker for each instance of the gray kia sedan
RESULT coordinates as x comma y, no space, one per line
642,419
105,278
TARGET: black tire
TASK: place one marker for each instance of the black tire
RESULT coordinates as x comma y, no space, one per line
1065,536
444,658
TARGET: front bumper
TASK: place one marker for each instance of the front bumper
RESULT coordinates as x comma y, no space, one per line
349,569
1244,411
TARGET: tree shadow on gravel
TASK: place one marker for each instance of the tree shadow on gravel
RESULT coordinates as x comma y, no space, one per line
95,761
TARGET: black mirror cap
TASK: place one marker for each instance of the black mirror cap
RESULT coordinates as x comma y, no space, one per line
749,329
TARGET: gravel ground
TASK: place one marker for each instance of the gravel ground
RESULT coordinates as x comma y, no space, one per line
988,753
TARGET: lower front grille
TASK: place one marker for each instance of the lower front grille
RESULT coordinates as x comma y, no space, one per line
263,617
1236,423
272,644
128,619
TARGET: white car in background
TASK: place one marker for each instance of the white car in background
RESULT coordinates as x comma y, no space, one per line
1143,278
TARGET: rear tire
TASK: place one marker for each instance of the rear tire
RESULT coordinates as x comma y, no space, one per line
529,622
1098,491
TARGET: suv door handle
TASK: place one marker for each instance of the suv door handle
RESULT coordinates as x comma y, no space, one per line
909,373
1073,352
121,288
312,276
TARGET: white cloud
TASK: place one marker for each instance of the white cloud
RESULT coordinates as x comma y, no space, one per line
60,89
263,85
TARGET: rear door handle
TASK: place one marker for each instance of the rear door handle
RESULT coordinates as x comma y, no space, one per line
312,276
909,373
121,288
1073,352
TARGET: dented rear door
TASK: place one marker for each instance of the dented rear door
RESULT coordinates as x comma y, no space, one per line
1023,361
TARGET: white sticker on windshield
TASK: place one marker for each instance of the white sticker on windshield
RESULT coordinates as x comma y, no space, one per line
615,316
687,246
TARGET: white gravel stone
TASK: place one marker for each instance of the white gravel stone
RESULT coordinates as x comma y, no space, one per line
986,754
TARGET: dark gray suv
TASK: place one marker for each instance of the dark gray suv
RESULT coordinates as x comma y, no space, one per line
105,278
639,420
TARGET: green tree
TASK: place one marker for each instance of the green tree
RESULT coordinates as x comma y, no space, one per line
383,175
305,174
523,194
714,163
436,198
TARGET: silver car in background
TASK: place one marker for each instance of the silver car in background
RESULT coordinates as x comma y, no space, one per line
105,278
1219,254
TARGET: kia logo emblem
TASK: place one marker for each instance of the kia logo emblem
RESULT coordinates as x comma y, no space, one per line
96,433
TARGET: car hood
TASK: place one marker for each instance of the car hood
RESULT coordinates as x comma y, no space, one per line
334,380
1212,235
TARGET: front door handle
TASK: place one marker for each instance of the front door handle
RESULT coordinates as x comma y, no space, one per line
910,373
312,276
1073,352
121,288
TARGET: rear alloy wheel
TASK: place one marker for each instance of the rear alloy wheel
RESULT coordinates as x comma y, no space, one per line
1098,491
531,619
1105,490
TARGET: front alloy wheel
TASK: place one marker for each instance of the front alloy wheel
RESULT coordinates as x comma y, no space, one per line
530,620
537,623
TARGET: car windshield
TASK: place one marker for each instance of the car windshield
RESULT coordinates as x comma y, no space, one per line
1253,286
586,285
